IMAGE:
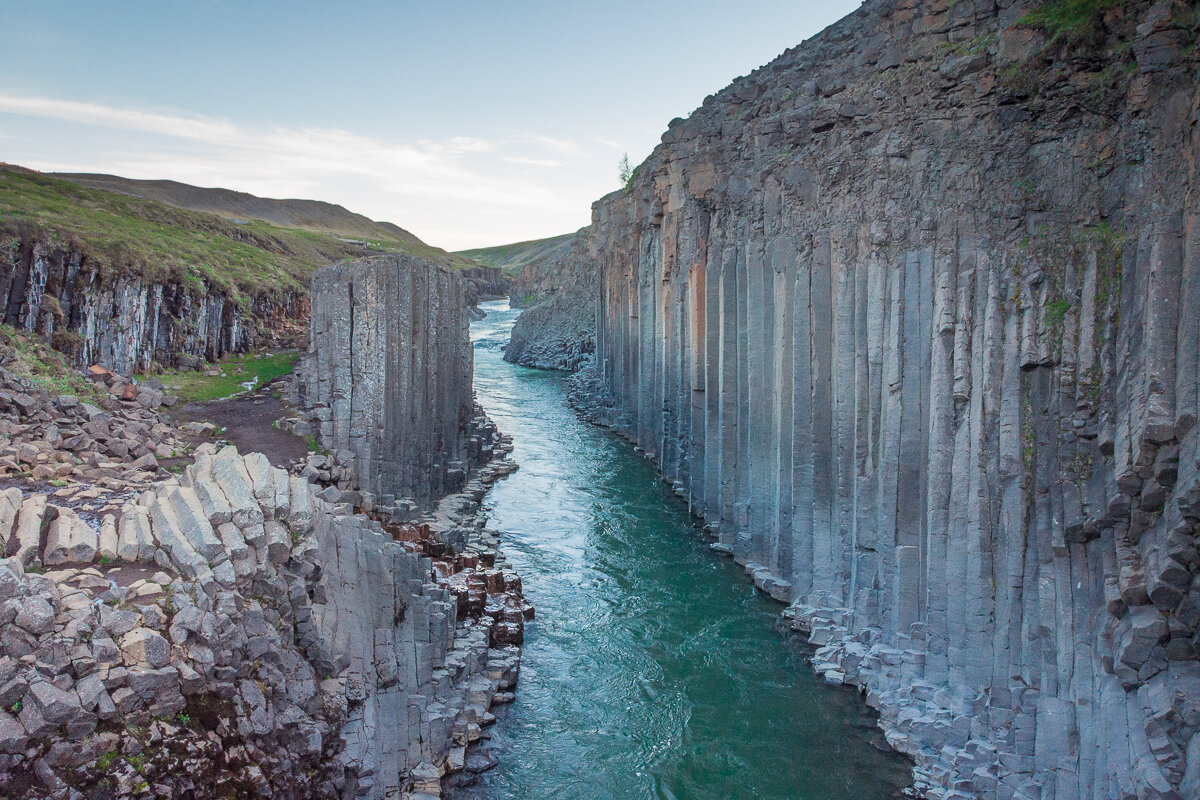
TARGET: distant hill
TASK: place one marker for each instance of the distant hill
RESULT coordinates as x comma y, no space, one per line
244,256
306,215
512,258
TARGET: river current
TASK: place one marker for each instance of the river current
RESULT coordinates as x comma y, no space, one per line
653,668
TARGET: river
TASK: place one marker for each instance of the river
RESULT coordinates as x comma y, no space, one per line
653,668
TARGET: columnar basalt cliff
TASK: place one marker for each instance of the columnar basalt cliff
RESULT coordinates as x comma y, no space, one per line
485,283
229,633
910,316
127,321
388,376
234,630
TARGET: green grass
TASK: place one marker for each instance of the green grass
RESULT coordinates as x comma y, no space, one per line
1056,309
47,368
1103,233
1072,20
512,257
123,234
196,387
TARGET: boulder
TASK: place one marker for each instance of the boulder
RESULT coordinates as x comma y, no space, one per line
70,540
145,647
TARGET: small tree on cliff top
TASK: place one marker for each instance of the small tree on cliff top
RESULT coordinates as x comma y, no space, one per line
625,172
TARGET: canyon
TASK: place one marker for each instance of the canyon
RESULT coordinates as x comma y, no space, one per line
901,328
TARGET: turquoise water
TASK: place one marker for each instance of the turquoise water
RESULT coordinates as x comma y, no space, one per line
653,669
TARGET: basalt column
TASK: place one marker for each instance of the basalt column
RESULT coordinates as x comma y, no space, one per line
911,316
388,374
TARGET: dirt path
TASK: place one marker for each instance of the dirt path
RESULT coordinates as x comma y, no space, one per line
248,421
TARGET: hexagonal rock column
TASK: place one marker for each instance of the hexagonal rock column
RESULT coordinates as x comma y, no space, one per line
388,374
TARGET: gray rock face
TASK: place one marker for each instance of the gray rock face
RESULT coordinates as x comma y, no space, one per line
388,374
910,317
559,333
310,653
485,283
557,287
125,322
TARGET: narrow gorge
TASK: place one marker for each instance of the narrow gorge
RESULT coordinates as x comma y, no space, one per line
849,453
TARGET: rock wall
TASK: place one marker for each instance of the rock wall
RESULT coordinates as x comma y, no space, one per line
557,288
388,376
229,633
909,315
126,322
547,268
485,283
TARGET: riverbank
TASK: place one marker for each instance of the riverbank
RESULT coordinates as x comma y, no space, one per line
233,628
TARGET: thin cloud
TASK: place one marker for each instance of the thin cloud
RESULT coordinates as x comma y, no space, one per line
533,162
559,146
425,168
483,187
195,128
609,143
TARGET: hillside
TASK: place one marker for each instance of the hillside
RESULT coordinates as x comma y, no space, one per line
128,235
313,216
243,258
512,258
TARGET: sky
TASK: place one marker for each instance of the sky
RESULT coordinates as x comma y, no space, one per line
468,123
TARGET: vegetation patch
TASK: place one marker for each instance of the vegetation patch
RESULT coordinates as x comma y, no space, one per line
1056,310
627,174
240,373
47,368
1072,21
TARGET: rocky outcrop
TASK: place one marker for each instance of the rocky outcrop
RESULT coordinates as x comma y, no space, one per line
126,321
556,287
485,283
909,316
74,444
229,633
559,333
388,377
544,268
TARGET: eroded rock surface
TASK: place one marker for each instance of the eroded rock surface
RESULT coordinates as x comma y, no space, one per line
909,315
127,322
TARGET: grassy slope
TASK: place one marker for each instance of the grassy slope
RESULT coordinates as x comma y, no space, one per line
124,233
512,257
236,371
309,215
34,360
